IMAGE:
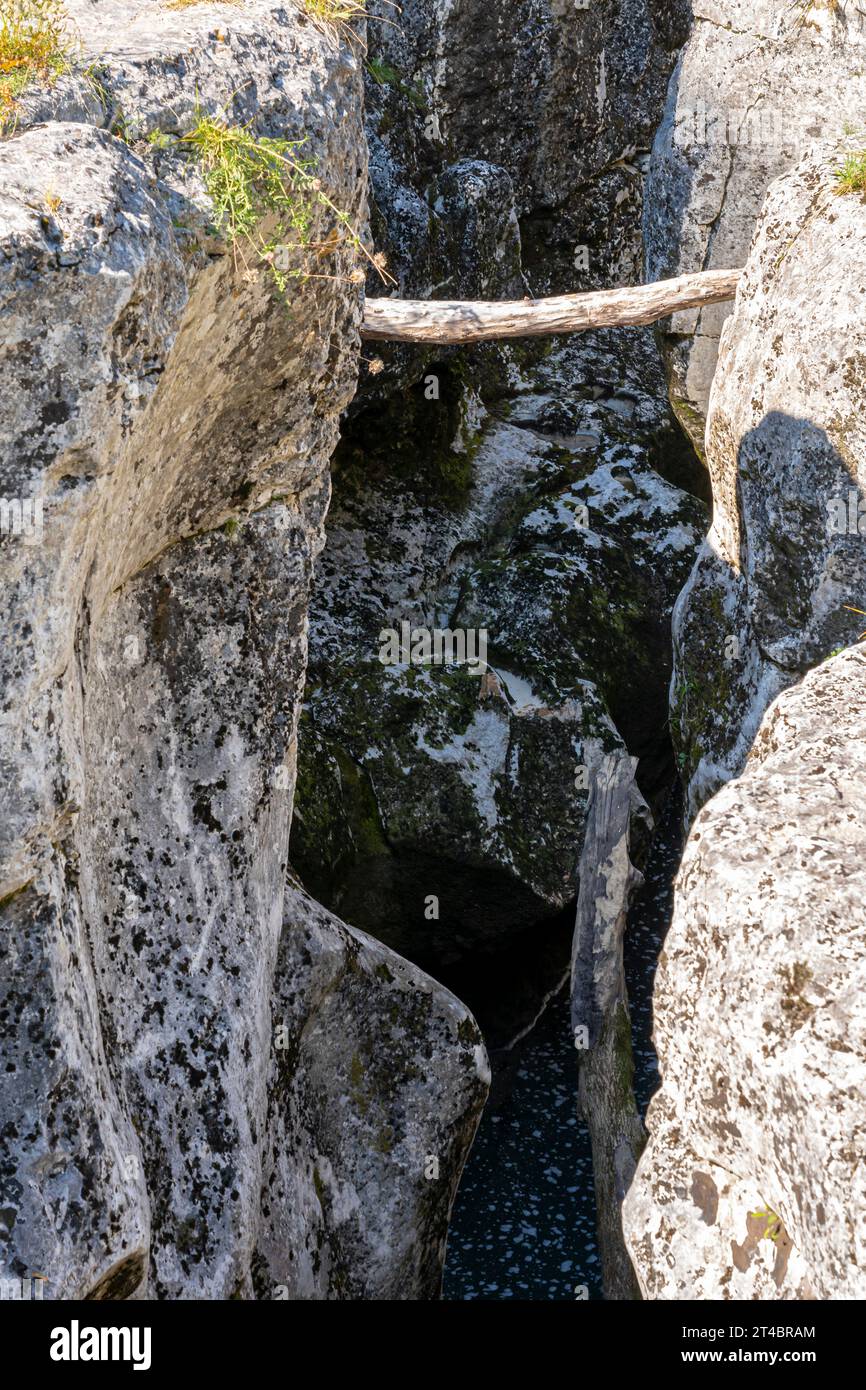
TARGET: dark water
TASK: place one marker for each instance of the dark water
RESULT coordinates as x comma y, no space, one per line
523,1225
524,1221
648,922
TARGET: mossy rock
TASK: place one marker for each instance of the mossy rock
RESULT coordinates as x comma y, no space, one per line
420,783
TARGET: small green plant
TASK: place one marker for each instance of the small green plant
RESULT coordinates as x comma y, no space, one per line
382,72
161,140
187,4
35,46
339,14
336,11
851,175
263,184
385,76
774,1226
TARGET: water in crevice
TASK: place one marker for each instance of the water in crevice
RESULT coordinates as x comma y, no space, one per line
524,1222
648,922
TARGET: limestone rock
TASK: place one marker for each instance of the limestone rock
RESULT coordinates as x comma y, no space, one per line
542,523
174,419
758,82
374,1096
752,1184
599,1004
563,98
785,560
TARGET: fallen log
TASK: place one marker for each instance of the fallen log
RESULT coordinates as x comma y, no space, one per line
446,321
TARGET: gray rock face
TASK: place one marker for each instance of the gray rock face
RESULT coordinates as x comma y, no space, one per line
752,1184
758,82
546,533
750,1187
174,420
563,98
463,478
375,1089
785,560
537,495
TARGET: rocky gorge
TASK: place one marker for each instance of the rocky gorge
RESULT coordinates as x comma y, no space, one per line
285,890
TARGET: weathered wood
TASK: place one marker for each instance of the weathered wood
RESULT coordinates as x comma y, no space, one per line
446,321
599,1006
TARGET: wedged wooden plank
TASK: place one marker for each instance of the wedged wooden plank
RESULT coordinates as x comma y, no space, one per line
599,1005
445,321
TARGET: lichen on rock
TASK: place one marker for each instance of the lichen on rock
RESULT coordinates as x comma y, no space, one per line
565,547
759,1022
175,419
758,83
783,565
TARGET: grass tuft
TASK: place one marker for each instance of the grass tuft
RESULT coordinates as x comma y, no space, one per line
262,183
336,11
851,176
384,75
35,46
188,4
338,14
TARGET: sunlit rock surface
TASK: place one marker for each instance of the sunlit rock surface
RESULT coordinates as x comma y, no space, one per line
752,1185
785,561
174,420
758,82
